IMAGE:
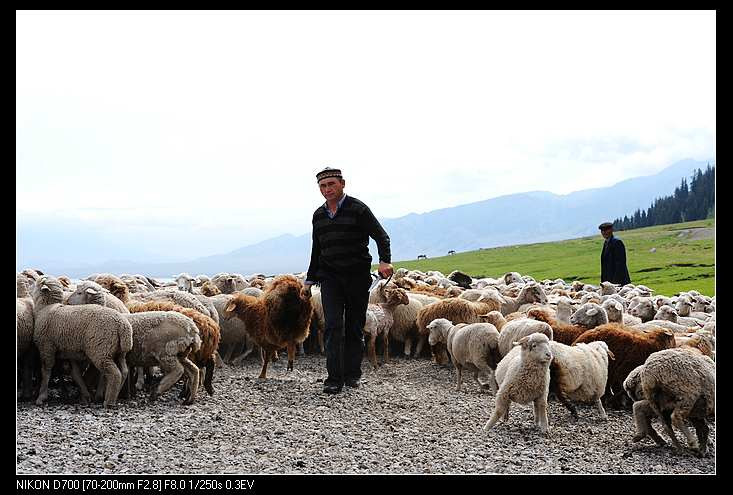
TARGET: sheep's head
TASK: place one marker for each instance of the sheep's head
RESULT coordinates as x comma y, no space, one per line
632,384
535,347
495,318
589,315
184,282
666,313
683,306
607,288
47,290
614,310
532,292
644,309
87,292
512,277
438,329
396,296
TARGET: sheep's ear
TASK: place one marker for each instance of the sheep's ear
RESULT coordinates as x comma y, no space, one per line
610,354
522,341
592,312
231,307
618,306
669,332
46,288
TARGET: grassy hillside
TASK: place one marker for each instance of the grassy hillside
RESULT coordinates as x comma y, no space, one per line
681,261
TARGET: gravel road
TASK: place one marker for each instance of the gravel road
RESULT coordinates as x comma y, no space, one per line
405,418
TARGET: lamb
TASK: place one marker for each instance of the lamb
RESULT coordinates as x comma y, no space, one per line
454,309
630,347
531,292
579,373
234,344
380,318
513,331
209,289
681,381
26,351
474,347
565,309
209,335
86,291
561,332
523,377
644,309
280,318
185,282
92,332
615,313
404,328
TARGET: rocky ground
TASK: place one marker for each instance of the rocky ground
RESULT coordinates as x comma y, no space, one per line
405,418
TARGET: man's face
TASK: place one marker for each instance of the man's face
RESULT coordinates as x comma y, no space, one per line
606,233
332,188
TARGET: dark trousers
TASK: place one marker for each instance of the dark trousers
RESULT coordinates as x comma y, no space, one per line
345,300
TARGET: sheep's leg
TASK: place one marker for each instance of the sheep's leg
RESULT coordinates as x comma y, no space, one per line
321,343
601,411
173,369
385,339
112,379
291,355
208,379
218,361
27,388
101,385
667,424
420,344
140,385
373,350
643,419
85,397
563,398
678,419
540,412
301,350
265,360
48,359
500,409
702,430
408,346
491,385
459,378
192,372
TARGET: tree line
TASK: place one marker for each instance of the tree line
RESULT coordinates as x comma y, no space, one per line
695,201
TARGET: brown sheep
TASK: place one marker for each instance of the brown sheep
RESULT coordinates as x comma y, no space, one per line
454,309
115,285
280,318
562,332
431,290
630,347
208,330
208,289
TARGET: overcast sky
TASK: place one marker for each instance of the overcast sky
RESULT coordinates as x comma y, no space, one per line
201,122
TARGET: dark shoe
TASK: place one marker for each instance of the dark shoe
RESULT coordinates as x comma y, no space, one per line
331,388
353,383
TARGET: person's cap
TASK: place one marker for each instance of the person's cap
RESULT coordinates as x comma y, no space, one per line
605,225
328,172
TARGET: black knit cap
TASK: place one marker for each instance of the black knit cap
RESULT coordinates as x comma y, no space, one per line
328,172
605,225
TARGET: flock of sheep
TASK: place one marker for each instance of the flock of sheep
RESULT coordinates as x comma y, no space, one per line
523,340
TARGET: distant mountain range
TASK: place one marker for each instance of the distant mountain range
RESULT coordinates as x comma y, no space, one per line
523,218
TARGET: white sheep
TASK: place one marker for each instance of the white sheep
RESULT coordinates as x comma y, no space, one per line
92,332
579,373
86,290
523,377
680,381
514,330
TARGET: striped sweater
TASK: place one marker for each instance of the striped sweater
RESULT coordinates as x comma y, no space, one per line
341,243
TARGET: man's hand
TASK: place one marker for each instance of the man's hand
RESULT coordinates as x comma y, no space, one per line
306,291
385,269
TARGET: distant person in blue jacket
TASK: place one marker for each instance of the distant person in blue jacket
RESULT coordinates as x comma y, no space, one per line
613,257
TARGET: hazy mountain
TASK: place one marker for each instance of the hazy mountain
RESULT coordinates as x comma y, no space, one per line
529,217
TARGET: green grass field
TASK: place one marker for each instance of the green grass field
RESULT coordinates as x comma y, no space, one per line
679,263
